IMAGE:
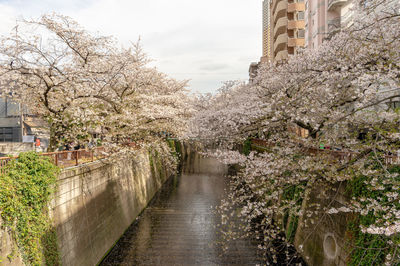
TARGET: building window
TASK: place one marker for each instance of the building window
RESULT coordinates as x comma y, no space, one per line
300,33
10,134
300,15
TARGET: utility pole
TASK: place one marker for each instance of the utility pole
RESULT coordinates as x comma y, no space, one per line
21,118
21,121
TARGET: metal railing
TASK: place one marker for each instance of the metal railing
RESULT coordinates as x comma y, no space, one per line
343,156
75,158
65,159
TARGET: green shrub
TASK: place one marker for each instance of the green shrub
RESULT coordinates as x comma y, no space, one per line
292,194
369,249
25,191
247,146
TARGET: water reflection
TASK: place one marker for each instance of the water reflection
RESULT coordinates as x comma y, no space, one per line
178,227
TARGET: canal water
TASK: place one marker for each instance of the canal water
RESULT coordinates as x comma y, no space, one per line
178,226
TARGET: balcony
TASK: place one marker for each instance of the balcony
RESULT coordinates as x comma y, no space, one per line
276,3
280,10
296,7
280,42
296,42
280,26
296,24
333,4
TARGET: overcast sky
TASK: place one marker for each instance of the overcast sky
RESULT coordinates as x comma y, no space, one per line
206,41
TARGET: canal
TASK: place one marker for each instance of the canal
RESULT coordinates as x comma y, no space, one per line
178,226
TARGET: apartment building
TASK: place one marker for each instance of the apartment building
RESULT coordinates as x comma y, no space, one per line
290,24
266,32
324,18
283,28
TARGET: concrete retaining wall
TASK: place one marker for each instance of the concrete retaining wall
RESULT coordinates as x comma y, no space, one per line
9,254
97,202
94,205
323,240
14,148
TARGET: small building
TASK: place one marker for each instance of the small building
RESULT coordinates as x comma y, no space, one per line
11,129
19,128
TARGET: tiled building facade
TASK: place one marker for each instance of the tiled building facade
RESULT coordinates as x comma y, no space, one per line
266,31
283,28
290,24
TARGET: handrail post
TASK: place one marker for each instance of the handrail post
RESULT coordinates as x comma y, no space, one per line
56,159
76,157
92,155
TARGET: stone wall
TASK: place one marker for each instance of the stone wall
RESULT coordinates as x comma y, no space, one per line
97,202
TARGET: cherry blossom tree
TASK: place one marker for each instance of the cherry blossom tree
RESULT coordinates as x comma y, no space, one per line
341,94
82,82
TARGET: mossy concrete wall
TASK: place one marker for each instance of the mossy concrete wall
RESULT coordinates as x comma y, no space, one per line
9,254
97,202
321,238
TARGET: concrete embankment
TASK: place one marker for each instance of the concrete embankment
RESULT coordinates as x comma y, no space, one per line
95,203
324,241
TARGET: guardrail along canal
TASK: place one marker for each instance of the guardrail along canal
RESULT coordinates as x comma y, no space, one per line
178,226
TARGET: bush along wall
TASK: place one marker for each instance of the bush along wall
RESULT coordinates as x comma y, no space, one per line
291,203
177,151
26,188
247,146
175,147
372,249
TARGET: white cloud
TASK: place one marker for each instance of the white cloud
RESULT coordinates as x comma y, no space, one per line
8,17
187,39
